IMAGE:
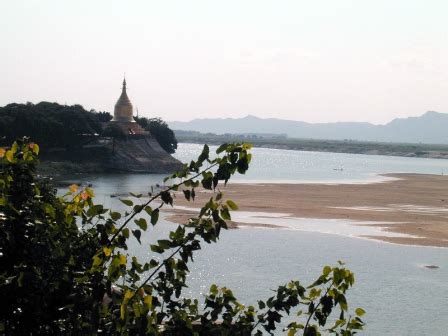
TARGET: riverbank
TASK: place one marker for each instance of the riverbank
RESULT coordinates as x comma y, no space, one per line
411,204
419,150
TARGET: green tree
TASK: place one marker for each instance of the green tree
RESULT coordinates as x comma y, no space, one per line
66,269
103,116
50,124
160,130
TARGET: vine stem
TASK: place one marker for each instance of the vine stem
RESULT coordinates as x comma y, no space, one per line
314,310
134,213
259,320
156,270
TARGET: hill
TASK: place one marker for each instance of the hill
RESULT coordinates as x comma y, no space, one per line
74,140
430,127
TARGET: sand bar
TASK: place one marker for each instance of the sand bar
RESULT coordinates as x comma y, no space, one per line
417,204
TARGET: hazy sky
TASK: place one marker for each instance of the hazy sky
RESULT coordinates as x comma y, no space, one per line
314,60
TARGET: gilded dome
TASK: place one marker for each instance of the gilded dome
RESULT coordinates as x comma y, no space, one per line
123,111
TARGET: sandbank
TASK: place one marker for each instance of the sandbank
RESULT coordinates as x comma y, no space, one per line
416,204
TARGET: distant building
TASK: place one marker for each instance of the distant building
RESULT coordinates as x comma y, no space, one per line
124,115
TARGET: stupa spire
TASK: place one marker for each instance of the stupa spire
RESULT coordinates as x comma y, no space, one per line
124,115
123,108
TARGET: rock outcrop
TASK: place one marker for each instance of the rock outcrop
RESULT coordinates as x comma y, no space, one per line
132,154
141,155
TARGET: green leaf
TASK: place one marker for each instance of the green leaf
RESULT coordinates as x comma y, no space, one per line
157,249
50,210
137,234
225,214
222,148
154,216
136,309
204,154
137,208
125,232
207,180
148,210
342,302
232,205
36,149
107,251
127,202
166,197
115,215
326,271
292,332
97,261
360,311
187,194
9,156
14,147
94,210
214,289
242,165
142,224
165,244
153,263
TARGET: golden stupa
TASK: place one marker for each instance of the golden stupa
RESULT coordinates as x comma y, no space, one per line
124,115
123,111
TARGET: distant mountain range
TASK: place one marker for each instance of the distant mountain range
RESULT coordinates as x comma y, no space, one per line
431,127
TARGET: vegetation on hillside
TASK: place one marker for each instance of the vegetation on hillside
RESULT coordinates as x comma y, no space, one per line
160,130
62,126
50,124
66,267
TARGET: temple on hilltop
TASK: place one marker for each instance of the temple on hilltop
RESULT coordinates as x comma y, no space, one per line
124,115
138,151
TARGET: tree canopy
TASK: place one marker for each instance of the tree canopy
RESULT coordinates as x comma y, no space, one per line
54,125
160,130
50,124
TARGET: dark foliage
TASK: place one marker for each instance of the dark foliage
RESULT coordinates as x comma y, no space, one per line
54,125
114,131
42,252
50,124
103,116
160,130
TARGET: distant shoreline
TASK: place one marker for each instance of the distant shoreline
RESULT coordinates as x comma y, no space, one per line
413,204
428,151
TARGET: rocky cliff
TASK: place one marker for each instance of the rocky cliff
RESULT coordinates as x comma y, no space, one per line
133,154
141,155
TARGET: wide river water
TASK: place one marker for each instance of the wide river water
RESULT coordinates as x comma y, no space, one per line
400,295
